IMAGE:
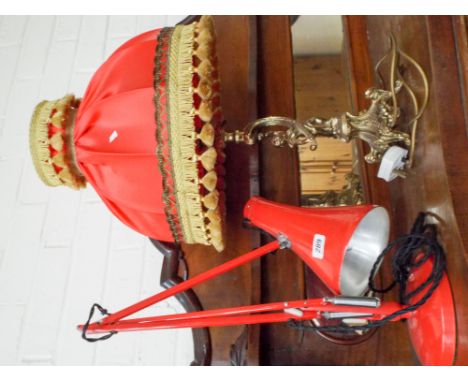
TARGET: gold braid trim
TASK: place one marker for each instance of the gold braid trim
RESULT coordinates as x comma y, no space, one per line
162,129
190,183
55,113
39,144
208,91
184,161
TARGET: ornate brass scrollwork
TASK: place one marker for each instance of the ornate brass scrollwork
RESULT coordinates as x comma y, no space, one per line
380,125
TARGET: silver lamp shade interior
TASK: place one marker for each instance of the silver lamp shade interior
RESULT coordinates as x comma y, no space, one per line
367,242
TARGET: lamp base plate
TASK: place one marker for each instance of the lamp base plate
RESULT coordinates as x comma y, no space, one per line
432,327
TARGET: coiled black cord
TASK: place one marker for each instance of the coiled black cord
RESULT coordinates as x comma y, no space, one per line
84,332
409,253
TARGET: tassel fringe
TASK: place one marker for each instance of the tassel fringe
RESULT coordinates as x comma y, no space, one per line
40,144
195,209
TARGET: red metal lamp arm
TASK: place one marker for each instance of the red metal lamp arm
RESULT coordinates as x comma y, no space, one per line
223,268
253,314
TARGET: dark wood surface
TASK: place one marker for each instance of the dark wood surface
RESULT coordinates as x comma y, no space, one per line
460,27
237,62
282,273
360,78
439,181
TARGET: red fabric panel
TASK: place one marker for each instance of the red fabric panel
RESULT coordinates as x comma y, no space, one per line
115,138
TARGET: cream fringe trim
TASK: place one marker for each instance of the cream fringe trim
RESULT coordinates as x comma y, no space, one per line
199,216
181,114
39,144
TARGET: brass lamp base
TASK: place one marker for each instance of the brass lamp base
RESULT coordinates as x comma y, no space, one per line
380,125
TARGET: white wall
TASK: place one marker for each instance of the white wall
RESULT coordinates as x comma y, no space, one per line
315,35
62,250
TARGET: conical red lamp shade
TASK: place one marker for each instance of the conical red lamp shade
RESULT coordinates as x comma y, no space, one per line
433,327
340,244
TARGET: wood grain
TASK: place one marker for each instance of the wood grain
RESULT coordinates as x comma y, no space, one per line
320,91
460,25
237,54
438,183
283,273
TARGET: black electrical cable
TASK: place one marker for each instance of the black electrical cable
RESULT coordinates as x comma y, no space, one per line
409,253
104,312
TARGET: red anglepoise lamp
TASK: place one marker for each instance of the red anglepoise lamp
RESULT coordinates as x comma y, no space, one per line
342,245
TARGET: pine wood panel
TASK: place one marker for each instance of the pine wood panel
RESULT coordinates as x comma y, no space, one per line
320,90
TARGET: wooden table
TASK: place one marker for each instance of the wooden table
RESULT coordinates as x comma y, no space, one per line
255,59
439,181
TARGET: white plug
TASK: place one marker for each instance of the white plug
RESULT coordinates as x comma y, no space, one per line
392,161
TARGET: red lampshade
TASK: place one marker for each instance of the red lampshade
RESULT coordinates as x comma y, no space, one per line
146,136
